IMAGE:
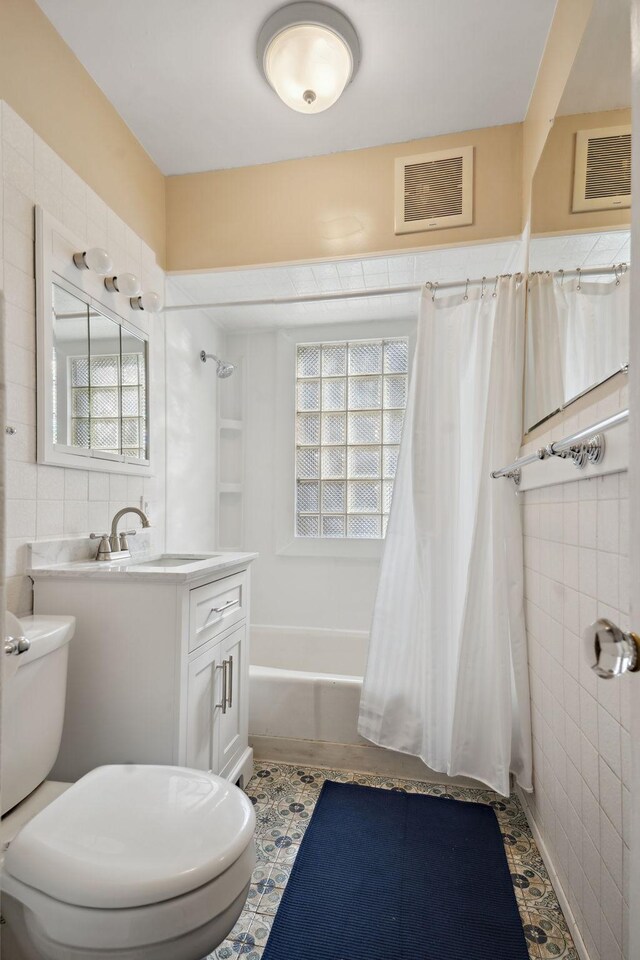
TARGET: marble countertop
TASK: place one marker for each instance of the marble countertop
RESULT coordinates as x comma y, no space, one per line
140,566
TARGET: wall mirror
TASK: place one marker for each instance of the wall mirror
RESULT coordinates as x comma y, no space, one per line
578,289
92,366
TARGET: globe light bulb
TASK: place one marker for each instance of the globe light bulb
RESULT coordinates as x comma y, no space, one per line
96,259
125,283
149,301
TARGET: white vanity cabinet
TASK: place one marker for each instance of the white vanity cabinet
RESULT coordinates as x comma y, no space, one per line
216,726
158,667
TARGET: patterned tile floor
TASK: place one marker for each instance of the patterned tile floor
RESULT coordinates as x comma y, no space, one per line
284,796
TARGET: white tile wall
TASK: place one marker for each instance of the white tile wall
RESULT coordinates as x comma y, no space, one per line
484,259
45,501
576,547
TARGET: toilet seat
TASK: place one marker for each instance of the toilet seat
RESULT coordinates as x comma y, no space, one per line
128,836
104,868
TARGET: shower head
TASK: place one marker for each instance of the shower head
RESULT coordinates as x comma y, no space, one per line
223,369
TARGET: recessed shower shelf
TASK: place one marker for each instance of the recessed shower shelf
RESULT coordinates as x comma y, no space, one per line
231,425
230,488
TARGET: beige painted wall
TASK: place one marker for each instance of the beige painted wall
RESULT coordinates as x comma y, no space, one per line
565,35
50,89
332,206
553,180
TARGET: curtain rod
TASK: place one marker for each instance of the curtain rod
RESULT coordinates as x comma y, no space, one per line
379,291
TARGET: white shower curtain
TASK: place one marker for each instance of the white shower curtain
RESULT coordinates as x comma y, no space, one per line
577,336
595,331
446,677
544,382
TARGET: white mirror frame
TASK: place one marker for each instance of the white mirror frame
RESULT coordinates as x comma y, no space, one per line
54,249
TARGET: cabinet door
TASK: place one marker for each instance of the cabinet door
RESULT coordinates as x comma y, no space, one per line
204,707
233,719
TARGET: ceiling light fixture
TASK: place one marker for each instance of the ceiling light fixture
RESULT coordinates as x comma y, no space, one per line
308,53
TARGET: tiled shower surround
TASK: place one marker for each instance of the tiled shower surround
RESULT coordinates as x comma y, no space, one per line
45,501
576,549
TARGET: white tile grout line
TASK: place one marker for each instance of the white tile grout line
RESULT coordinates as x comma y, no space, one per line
578,942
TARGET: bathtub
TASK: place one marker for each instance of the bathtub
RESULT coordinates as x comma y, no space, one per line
294,689
302,710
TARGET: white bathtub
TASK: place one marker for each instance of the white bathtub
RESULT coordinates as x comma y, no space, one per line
304,697
306,685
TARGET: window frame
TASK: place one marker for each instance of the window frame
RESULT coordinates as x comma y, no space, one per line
287,544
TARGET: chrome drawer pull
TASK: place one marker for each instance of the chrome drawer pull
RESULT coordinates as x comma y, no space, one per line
230,681
223,666
225,606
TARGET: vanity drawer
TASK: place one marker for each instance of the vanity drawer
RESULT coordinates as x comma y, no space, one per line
215,607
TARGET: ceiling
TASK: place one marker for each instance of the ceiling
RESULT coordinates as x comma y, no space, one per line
485,259
584,250
183,74
601,75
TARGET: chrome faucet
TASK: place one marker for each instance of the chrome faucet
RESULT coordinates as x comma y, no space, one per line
115,546
119,541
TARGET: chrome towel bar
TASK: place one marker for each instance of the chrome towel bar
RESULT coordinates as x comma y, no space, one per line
584,446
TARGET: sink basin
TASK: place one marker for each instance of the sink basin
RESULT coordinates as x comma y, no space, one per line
171,560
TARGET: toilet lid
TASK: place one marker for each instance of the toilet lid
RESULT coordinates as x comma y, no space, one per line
125,836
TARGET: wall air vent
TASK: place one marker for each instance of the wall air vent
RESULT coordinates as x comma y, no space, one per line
602,176
434,190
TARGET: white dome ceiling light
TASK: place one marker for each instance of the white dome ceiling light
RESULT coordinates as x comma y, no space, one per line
308,53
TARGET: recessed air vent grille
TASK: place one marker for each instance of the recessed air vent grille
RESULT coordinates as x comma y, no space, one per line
434,190
602,179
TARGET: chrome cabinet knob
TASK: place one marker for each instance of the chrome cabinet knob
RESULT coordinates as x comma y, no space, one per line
610,652
15,645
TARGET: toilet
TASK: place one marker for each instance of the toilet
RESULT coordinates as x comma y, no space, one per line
129,862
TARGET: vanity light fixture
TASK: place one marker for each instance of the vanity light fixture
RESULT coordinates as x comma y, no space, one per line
308,52
95,259
150,301
125,283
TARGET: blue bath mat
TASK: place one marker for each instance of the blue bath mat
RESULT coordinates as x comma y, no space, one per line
382,874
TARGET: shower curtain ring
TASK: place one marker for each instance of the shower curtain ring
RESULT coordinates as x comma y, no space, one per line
434,287
495,287
579,272
616,267
466,290
561,272
484,283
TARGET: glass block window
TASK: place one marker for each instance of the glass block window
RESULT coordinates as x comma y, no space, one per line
108,403
350,403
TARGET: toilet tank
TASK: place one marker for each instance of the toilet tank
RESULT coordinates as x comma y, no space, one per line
33,695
